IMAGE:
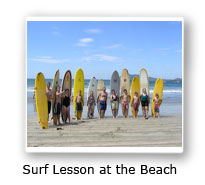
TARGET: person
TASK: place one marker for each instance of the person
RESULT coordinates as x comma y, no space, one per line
125,100
57,105
157,101
114,99
49,95
91,104
145,100
79,102
102,98
66,106
135,103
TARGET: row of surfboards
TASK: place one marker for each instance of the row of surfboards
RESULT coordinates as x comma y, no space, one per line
117,83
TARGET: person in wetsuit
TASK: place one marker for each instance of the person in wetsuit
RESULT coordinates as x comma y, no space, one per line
145,100
66,106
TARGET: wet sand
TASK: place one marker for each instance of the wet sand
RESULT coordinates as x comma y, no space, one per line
108,132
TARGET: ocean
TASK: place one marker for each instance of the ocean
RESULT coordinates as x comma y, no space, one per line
171,100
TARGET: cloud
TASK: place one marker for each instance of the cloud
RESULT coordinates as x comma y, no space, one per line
95,31
101,58
55,31
48,59
84,42
114,46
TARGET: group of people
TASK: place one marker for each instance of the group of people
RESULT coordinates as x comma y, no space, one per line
63,99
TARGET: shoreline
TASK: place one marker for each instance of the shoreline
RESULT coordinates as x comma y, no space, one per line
108,132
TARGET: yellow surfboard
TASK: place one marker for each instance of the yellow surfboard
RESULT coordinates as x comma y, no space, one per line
99,89
158,88
55,83
144,82
41,100
135,87
78,85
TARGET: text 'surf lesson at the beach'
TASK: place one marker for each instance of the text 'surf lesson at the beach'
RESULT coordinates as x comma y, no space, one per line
119,169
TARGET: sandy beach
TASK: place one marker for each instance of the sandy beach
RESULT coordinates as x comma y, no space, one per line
108,132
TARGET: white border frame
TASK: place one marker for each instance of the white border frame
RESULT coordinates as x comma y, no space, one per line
109,149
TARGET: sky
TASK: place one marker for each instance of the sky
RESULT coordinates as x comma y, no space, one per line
100,47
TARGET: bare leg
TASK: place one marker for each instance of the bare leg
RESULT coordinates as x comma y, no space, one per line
103,113
146,112
58,117
143,111
92,109
113,113
134,114
81,114
88,111
68,113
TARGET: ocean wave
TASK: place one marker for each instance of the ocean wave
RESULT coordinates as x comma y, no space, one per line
31,90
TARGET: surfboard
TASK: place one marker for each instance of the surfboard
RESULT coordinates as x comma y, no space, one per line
144,81
125,81
78,85
99,89
135,86
67,83
92,87
41,100
158,88
55,83
115,84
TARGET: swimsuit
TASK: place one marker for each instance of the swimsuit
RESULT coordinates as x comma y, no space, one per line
57,109
125,105
114,103
135,106
91,101
144,100
79,106
156,107
49,107
66,101
103,105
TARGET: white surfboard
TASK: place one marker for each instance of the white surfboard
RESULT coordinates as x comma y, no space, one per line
144,82
92,87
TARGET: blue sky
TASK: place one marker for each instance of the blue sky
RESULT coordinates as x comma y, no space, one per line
100,47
